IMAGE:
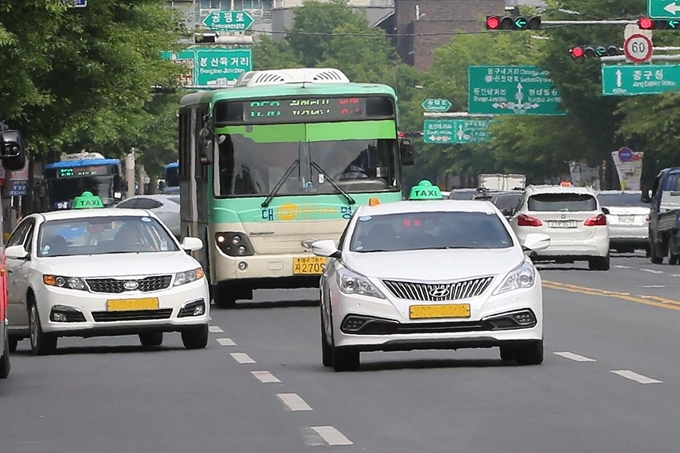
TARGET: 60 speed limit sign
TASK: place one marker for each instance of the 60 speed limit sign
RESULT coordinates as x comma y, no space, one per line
638,48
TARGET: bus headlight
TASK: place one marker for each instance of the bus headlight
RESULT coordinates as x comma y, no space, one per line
234,244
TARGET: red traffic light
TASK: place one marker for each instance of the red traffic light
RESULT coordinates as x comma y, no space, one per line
493,22
577,52
645,23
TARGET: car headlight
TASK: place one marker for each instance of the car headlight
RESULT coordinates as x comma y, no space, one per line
65,282
352,283
188,276
523,276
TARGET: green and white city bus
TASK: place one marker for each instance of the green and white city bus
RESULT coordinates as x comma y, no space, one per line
278,161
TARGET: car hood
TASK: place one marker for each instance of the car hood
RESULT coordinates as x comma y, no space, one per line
119,265
435,265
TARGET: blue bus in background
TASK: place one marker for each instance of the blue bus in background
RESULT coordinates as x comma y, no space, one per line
77,173
169,180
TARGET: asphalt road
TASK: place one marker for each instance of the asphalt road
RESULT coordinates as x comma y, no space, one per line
610,383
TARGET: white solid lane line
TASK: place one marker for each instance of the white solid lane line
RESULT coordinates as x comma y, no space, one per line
226,342
574,357
652,286
652,271
215,329
294,402
265,376
331,435
636,377
242,357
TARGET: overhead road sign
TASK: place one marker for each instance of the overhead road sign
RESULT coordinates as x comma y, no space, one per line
512,90
437,105
458,131
229,21
663,9
211,67
631,80
638,48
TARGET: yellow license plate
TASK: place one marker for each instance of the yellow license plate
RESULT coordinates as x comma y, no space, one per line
132,304
314,265
439,311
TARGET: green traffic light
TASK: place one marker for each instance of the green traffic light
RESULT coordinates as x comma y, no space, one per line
674,24
601,51
521,23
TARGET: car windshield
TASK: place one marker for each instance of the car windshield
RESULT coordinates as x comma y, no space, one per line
103,235
508,200
621,200
429,230
565,202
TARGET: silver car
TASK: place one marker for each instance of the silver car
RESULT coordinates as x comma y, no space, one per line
166,208
628,219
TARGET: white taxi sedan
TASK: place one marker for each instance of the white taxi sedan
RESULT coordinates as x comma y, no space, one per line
100,272
430,274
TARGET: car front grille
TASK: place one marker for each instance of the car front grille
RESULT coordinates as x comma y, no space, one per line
139,315
434,292
117,286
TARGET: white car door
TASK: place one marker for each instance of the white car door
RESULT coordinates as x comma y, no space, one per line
17,277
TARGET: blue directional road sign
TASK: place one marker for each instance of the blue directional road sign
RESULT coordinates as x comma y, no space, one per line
437,105
229,21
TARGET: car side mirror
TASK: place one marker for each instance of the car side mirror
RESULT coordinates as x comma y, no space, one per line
12,150
16,252
192,244
406,152
326,248
535,242
605,211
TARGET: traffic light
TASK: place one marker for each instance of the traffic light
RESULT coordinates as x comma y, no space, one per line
645,23
594,51
513,23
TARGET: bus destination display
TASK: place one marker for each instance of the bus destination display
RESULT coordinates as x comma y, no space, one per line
76,172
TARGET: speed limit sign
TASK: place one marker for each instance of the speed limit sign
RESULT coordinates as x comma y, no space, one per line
638,48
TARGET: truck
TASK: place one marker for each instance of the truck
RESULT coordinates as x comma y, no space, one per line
13,158
76,173
664,216
501,183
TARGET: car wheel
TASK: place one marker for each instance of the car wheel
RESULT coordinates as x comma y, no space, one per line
599,263
345,359
224,295
326,349
672,259
150,339
5,366
41,343
530,354
653,256
508,353
196,338
13,344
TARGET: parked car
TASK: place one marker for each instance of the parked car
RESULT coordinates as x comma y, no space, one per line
165,207
628,219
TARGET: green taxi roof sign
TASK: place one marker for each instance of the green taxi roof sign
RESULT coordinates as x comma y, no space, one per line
87,201
425,191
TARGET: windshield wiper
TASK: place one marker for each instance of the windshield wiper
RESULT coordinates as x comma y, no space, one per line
350,200
278,185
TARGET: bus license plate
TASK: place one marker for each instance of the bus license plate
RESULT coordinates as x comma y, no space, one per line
314,265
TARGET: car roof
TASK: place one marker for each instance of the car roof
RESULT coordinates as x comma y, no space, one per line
403,207
157,196
560,189
88,213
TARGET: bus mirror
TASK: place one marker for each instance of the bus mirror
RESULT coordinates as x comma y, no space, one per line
406,150
161,185
206,146
12,150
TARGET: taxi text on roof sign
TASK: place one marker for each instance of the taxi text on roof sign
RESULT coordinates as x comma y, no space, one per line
86,201
425,191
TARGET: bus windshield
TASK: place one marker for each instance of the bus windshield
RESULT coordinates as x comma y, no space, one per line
61,190
363,165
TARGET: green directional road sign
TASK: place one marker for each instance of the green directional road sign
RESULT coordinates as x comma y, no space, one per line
437,105
214,67
228,21
185,58
458,131
631,80
512,90
663,9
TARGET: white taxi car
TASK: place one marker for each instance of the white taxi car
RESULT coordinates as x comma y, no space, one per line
101,272
430,274
573,219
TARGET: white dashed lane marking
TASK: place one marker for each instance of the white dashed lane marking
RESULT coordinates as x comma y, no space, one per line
226,342
215,329
265,377
242,357
574,357
636,377
325,435
294,402
652,271
620,266
652,286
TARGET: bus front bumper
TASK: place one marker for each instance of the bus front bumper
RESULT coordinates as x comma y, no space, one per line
300,270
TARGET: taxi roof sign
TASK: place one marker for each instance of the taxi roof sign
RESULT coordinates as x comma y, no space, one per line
87,201
425,191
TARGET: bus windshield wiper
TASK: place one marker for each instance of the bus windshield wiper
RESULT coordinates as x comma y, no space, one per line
350,200
278,185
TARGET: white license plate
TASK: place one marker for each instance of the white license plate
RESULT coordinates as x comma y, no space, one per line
627,218
566,224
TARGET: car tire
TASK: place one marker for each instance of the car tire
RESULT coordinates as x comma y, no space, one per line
13,344
345,359
508,353
5,365
599,263
326,349
672,259
653,257
41,342
530,354
224,295
196,338
151,339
